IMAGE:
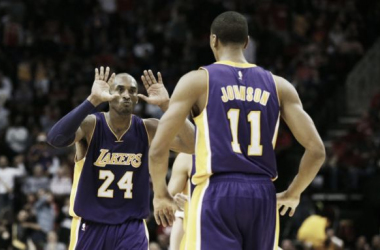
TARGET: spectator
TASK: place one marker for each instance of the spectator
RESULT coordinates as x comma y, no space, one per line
44,208
7,179
41,154
47,63
36,182
24,230
313,231
65,225
17,136
5,87
362,244
376,242
52,242
154,246
5,232
4,114
61,183
287,245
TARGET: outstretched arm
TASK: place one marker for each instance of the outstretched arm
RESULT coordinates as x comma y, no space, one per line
307,135
74,126
185,95
158,95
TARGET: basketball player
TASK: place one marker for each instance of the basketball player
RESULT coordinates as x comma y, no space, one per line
237,107
179,187
110,194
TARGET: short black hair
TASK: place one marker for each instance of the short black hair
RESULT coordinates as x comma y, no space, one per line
230,27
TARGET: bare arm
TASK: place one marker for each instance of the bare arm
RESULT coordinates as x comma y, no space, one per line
183,142
307,135
186,94
176,234
180,174
158,95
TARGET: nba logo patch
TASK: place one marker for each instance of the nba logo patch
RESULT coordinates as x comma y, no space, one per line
84,226
240,75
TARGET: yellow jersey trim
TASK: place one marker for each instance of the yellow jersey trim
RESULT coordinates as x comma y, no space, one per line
75,224
202,150
275,134
118,139
146,130
77,173
193,234
146,231
277,232
235,64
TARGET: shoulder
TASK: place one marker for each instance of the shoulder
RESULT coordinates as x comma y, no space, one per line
88,123
195,77
151,125
286,90
191,84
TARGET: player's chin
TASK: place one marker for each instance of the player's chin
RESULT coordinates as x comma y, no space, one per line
126,110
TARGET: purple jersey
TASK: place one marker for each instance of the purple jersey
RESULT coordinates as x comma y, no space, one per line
111,184
237,130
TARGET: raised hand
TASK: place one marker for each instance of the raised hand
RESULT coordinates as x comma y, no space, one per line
100,91
157,93
164,208
286,201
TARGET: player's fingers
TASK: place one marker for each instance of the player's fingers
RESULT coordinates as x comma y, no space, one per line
106,74
96,74
157,218
161,214
160,78
292,211
147,77
169,216
112,78
283,210
145,98
101,75
152,77
145,82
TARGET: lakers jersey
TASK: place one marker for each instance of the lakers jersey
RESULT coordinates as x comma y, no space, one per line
237,130
111,184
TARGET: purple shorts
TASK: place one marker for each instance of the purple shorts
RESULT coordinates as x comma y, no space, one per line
233,211
87,235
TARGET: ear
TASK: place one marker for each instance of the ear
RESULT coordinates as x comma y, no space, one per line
246,43
214,41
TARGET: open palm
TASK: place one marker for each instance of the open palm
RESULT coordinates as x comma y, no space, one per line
101,87
157,93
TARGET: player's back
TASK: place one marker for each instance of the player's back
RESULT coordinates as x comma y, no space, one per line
237,130
111,184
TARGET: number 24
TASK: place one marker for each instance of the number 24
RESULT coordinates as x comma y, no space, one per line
125,183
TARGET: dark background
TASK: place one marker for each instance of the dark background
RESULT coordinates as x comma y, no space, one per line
48,52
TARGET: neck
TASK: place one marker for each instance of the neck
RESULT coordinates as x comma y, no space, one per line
231,54
118,121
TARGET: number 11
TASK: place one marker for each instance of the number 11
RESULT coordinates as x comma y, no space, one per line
255,148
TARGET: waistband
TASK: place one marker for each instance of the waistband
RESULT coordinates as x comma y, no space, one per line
239,177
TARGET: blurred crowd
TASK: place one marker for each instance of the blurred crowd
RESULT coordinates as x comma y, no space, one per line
49,49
